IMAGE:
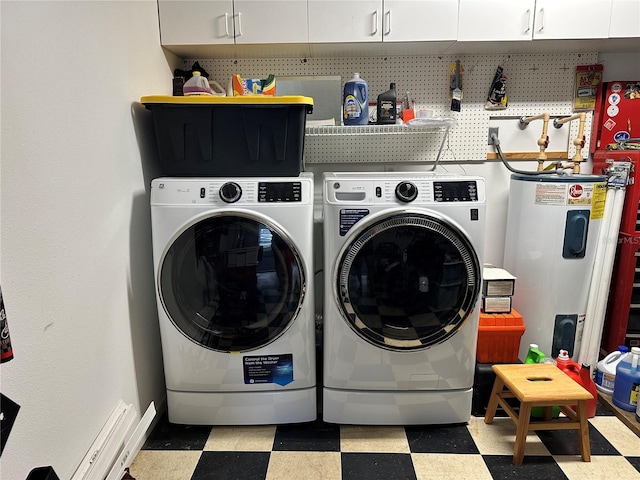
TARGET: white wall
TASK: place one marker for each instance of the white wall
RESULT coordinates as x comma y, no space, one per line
76,268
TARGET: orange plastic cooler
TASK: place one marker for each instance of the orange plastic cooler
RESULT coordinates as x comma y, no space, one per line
499,337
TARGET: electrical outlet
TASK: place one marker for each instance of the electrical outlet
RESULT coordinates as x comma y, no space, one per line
492,131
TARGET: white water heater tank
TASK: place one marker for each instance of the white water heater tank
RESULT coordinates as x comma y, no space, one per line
550,245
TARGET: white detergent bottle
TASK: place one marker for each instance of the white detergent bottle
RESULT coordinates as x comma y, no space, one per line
627,385
197,85
605,374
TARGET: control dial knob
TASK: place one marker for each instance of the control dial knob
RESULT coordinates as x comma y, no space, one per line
406,192
230,192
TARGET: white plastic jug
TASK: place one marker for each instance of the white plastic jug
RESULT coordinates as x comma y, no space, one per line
197,85
627,387
605,374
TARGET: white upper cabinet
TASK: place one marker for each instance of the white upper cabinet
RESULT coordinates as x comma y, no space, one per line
419,20
382,20
209,22
571,19
345,21
522,20
186,26
625,19
262,21
507,20
188,22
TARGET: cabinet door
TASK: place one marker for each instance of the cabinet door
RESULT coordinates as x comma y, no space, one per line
502,20
262,21
345,21
625,19
192,22
420,20
571,19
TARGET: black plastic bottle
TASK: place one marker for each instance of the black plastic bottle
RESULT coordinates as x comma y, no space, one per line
387,113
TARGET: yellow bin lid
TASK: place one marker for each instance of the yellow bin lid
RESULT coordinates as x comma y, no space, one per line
239,100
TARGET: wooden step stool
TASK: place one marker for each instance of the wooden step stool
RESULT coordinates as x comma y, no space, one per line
540,385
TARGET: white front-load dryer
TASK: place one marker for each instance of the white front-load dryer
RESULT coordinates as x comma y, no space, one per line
402,260
235,298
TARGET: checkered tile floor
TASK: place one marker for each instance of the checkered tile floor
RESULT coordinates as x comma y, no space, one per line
324,451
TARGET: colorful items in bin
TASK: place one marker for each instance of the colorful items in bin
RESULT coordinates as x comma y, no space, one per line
499,337
252,86
605,375
627,387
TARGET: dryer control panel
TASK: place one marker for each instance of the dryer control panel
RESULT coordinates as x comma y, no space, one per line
455,191
396,189
279,191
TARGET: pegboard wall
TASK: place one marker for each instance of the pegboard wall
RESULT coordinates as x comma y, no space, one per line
536,83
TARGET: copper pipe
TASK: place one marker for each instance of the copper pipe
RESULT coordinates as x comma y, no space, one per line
543,141
578,142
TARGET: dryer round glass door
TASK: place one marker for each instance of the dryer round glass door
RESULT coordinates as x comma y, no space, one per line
232,283
408,281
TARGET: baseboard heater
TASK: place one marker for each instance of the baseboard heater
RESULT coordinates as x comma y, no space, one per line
116,445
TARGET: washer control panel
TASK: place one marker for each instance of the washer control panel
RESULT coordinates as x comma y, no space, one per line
411,189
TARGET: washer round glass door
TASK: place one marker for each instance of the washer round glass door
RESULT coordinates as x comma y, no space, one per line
232,283
408,281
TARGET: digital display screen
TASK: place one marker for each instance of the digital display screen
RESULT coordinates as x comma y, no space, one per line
459,191
280,192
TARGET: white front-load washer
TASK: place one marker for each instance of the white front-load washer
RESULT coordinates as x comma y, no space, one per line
402,260
234,288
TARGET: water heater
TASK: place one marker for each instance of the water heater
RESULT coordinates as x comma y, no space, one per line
550,245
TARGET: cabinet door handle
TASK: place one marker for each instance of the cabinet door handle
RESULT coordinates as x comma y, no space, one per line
528,21
226,24
239,24
374,25
541,14
387,21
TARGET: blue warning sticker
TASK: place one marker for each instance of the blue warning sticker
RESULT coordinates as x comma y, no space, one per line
276,369
349,217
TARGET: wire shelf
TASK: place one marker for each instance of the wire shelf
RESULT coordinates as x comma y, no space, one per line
416,126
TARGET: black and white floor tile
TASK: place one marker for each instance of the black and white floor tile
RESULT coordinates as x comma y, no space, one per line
318,450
